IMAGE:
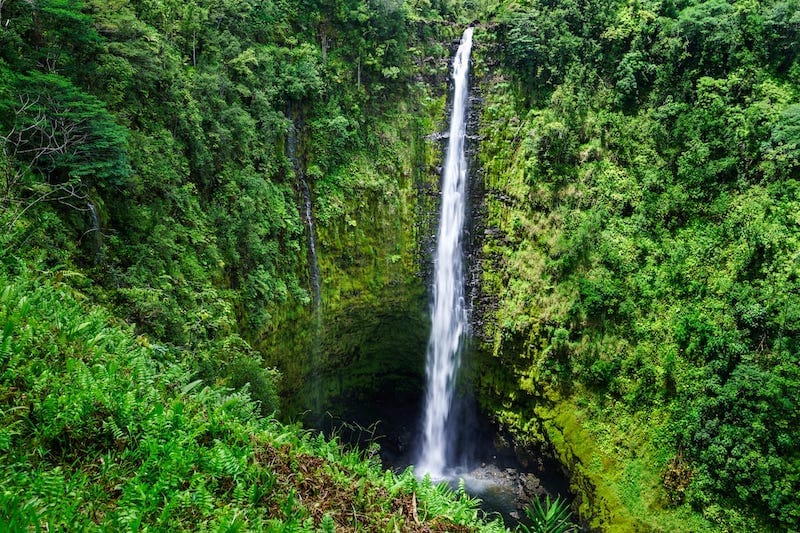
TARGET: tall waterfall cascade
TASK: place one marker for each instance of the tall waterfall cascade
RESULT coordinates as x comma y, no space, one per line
448,312
294,151
97,234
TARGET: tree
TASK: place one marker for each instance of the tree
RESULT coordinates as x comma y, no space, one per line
58,130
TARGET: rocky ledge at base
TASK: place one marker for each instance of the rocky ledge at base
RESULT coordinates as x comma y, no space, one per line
506,491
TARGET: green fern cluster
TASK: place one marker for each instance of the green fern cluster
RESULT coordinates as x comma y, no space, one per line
100,429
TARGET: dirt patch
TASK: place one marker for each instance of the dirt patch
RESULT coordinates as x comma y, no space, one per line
323,488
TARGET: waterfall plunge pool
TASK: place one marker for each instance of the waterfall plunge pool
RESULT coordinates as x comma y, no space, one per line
504,477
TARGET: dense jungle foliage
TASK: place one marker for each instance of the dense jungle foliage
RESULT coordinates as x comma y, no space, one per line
642,166
641,253
104,430
151,163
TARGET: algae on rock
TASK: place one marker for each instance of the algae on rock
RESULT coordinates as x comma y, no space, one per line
375,218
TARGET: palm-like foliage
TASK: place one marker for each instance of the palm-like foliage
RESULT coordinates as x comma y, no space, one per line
552,517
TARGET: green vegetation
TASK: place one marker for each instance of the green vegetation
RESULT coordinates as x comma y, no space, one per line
552,517
102,429
642,253
641,276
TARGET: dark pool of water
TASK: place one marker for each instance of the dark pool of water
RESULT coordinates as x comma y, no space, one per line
492,470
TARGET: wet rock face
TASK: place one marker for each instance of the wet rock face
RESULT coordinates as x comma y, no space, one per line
530,487
524,485
476,211
506,491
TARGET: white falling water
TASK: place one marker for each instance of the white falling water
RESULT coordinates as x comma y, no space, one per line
97,233
448,314
299,172
316,289
314,388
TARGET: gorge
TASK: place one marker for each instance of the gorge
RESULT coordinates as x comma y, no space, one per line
218,215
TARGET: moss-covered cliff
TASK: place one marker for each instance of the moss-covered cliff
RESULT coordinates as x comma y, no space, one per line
374,217
640,255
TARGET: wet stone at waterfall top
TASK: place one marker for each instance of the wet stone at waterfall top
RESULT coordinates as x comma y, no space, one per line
448,312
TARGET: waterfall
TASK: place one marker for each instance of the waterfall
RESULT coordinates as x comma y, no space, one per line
308,218
316,293
95,229
448,312
313,379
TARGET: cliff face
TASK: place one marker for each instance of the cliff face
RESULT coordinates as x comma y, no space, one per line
374,222
629,236
375,219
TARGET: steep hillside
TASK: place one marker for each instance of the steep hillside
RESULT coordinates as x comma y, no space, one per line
104,430
640,261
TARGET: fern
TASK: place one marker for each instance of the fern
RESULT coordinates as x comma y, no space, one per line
224,461
327,524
